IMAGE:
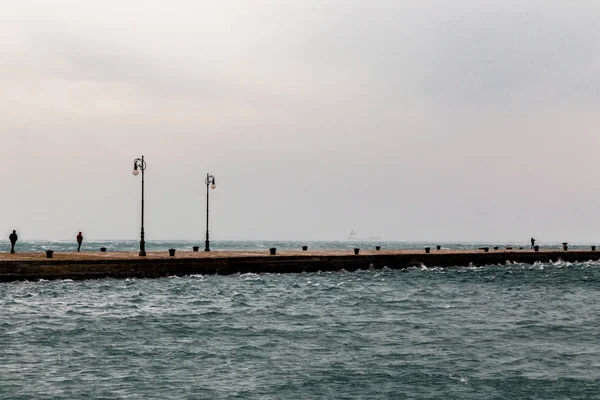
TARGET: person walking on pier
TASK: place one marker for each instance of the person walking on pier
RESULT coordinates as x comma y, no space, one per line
532,243
79,241
13,240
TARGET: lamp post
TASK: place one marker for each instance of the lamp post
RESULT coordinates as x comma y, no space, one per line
210,181
140,164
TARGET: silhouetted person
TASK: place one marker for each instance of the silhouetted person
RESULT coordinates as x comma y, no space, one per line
13,240
79,241
532,243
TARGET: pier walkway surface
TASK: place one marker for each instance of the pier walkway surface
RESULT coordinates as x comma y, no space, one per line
35,266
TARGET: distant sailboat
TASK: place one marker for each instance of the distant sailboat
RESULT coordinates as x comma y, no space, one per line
352,236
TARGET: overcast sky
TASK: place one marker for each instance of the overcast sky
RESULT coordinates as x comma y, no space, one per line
461,120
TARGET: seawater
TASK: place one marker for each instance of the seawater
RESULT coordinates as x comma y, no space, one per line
496,332
254,245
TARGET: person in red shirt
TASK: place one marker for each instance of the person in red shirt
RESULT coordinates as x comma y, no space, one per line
79,241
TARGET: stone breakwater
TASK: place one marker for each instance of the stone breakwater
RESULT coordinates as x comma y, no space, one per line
34,266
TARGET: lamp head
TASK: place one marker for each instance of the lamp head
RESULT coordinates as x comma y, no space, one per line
136,171
213,186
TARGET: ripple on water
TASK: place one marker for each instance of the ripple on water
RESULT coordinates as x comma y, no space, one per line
502,331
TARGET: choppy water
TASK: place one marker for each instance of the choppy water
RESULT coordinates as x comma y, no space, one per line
497,332
252,245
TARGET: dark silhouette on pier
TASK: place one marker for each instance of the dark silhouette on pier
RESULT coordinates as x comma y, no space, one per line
532,243
79,241
13,240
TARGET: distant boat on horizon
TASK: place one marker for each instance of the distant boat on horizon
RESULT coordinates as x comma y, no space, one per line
352,236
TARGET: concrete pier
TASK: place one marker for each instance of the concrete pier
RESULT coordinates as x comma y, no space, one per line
35,266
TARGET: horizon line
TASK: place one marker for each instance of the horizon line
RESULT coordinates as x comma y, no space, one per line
314,240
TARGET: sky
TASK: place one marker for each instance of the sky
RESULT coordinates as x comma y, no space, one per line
462,120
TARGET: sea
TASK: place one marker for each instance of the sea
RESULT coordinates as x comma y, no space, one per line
261,245
513,331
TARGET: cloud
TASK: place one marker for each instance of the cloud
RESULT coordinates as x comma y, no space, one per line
411,119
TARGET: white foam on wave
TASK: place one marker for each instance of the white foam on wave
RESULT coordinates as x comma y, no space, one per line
250,276
563,264
460,379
